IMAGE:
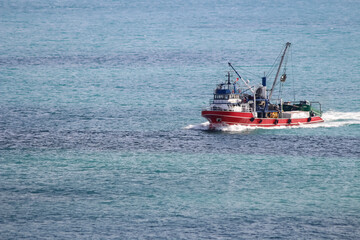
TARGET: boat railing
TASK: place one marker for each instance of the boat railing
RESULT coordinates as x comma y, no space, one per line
224,101
214,108
317,104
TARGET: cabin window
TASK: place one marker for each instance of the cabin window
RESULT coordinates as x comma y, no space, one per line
221,96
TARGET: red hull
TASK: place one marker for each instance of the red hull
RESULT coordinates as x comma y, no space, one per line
244,118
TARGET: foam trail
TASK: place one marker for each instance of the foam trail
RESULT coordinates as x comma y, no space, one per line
331,119
335,119
227,128
236,128
201,126
333,116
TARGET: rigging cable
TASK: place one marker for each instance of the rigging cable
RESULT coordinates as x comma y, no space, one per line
254,75
292,73
272,68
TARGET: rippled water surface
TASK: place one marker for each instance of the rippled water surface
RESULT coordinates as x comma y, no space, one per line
101,134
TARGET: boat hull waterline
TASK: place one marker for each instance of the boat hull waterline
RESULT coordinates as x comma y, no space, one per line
220,118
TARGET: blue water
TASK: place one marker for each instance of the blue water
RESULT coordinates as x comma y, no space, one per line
101,135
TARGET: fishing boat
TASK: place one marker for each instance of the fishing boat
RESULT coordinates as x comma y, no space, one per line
243,104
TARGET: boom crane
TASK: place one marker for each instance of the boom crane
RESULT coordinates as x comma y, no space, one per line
278,71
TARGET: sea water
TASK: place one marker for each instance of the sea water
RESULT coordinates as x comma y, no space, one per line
101,134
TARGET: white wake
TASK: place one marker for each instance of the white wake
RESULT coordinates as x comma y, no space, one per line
331,119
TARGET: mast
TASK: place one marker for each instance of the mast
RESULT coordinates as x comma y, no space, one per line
241,78
278,71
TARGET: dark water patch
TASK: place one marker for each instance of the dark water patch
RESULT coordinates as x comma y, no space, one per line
183,141
140,130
